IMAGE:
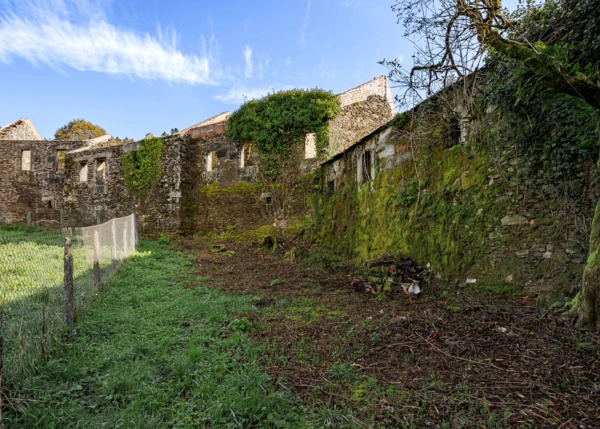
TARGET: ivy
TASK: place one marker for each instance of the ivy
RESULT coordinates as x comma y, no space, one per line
554,133
275,124
142,168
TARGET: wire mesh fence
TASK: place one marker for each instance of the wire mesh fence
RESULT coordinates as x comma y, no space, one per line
34,296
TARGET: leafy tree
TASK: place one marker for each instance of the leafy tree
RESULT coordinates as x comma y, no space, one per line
79,129
276,126
277,122
550,47
556,41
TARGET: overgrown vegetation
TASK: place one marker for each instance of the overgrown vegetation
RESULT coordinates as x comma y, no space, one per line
142,169
277,122
151,353
31,295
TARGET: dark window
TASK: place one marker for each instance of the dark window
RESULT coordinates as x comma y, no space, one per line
453,132
330,187
366,166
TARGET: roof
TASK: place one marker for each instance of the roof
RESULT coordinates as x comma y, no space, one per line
21,129
211,126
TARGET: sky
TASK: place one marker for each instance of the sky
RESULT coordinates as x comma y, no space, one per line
139,66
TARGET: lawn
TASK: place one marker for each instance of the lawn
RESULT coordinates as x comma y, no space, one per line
151,353
31,293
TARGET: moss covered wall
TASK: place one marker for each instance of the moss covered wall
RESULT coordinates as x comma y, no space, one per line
466,209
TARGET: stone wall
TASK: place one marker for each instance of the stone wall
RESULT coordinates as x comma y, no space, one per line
223,195
104,194
37,190
92,195
378,86
21,129
356,121
466,209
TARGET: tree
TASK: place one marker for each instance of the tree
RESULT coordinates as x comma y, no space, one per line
454,37
276,125
79,129
554,45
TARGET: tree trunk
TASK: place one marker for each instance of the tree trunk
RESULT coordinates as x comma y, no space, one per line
588,307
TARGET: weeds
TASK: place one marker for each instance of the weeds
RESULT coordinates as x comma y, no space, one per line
153,354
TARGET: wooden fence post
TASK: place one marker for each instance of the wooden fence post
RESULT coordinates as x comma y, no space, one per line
69,304
97,277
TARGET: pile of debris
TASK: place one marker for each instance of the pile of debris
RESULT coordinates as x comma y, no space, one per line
393,274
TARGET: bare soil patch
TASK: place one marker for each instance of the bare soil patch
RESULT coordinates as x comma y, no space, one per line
449,357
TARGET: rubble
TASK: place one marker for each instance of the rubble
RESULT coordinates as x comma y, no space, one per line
393,274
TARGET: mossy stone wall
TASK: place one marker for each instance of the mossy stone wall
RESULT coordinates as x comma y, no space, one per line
466,209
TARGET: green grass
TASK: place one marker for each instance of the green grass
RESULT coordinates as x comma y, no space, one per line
31,293
149,353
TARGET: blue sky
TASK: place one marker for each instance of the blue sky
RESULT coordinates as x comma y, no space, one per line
138,66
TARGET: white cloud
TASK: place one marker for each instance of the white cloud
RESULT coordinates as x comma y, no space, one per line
248,57
288,61
83,40
305,24
241,95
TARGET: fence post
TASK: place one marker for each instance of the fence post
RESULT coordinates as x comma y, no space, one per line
28,218
97,277
69,305
113,253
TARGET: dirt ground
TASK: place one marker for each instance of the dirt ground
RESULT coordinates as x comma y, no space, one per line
448,357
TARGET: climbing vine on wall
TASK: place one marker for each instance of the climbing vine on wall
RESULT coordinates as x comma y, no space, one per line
142,168
277,122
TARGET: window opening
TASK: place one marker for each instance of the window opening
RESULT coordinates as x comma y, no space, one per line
310,146
330,187
26,160
60,158
100,170
83,172
366,167
454,132
246,158
211,160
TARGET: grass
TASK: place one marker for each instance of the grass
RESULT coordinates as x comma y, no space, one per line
150,353
31,293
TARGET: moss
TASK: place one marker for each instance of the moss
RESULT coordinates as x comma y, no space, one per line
239,189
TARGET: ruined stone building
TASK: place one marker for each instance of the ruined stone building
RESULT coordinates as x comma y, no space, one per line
426,183
208,182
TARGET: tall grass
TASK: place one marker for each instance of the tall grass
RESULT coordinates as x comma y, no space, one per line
31,294
150,353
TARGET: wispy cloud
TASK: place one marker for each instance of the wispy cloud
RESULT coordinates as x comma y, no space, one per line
240,95
75,33
305,24
248,57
